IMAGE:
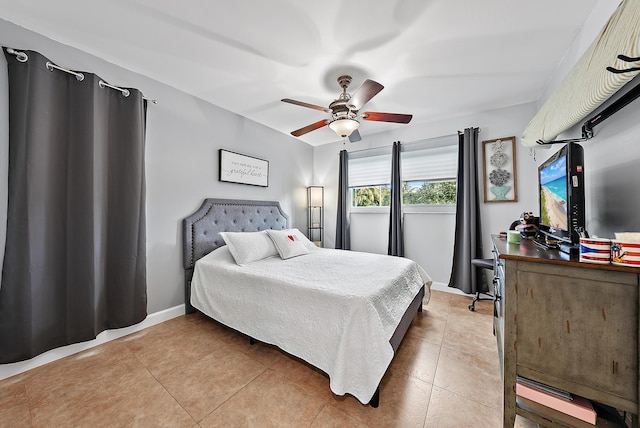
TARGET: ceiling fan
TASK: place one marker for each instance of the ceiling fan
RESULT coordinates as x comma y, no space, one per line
343,111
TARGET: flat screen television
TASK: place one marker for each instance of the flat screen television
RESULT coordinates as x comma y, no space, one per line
561,196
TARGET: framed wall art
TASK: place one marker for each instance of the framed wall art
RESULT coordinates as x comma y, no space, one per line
499,170
243,169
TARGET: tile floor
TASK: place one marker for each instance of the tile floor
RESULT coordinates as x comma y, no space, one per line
193,372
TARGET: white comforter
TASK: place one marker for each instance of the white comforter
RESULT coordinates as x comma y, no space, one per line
334,309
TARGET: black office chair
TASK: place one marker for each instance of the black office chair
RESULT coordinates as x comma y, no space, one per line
486,264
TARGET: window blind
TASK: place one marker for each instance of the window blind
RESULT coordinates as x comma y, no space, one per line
430,164
370,171
419,163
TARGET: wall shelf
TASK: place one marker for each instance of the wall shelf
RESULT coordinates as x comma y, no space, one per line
315,215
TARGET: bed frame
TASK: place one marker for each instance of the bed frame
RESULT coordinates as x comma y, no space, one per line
201,236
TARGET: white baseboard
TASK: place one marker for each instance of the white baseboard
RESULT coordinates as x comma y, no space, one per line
8,370
441,286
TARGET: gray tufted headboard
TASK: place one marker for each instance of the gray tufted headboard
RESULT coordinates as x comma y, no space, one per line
200,230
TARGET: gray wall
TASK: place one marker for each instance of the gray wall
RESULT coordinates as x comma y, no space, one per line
183,138
612,174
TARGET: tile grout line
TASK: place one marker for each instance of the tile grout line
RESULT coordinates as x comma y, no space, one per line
160,383
318,414
234,394
461,352
426,413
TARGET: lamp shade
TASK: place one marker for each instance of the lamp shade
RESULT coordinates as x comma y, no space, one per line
316,196
344,127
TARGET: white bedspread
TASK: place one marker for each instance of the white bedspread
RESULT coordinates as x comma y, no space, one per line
334,309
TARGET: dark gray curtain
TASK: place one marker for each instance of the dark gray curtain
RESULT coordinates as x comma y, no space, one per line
396,240
343,240
468,236
75,255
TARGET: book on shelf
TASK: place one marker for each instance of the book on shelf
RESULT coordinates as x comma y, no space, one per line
560,393
606,420
575,406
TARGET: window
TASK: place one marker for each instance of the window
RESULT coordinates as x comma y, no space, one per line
441,192
372,196
428,174
370,179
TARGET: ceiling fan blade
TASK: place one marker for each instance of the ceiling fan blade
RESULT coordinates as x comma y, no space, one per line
364,93
309,128
303,104
355,136
387,117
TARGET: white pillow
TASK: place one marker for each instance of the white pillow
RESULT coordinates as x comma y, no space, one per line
307,243
288,243
248,247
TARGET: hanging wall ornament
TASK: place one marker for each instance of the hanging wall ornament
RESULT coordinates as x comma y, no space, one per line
499,170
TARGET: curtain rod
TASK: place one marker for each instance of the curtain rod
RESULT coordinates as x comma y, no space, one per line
410,143
50,66
23,57
124,91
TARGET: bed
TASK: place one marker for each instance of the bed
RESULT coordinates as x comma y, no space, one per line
323,306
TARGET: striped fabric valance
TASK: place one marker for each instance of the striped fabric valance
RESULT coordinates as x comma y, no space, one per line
589,84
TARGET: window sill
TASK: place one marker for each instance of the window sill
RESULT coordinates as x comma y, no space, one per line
407,209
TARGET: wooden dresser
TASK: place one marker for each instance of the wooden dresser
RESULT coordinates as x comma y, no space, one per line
567,324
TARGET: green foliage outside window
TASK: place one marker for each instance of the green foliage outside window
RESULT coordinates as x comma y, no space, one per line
413,193
373,196
429,192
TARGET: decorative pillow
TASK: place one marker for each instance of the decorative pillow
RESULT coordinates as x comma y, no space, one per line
248,247
307,243
288,243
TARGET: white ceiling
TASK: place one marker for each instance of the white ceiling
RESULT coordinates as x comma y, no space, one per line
436,59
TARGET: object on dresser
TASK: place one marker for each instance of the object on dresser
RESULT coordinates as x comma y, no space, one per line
625,249
545,241
595,250
561,195
528,224
513,237
628,237
624,253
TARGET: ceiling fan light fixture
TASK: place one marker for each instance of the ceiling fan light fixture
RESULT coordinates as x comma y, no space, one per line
344,126
343,111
